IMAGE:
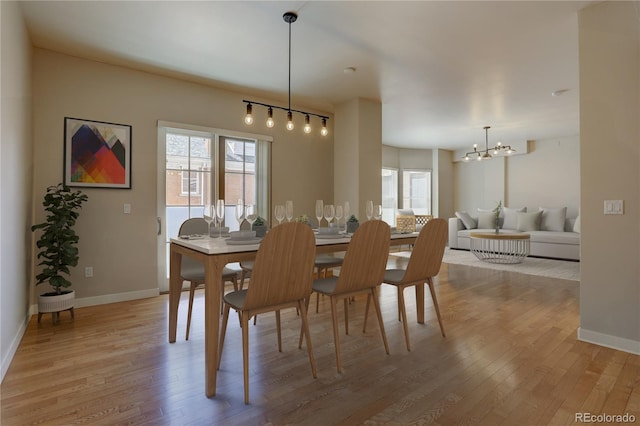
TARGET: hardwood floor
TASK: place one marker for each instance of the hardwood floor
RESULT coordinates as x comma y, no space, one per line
510,357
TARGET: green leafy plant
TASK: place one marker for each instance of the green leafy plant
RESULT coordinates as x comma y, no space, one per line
302,219
497,210
58,242
353,218
259,221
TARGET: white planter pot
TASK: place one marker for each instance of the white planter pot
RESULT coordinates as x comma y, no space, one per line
56,302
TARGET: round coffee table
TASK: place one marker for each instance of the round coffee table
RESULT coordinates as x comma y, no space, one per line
500,247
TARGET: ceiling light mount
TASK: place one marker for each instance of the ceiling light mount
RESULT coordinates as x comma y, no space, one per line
289,18
484,155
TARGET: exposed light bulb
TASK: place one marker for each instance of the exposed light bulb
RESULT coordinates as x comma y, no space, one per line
324,131
248,119
290,125
307,126
466,158
270,122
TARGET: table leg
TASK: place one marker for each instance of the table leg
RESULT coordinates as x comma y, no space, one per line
175,286
213,282
420,303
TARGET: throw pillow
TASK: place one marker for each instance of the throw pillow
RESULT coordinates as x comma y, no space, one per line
486,220
526,222
467,220
576,225
553,219
510,217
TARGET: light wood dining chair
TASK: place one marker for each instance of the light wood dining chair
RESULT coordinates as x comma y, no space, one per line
424,264
281,278
362,271
192,270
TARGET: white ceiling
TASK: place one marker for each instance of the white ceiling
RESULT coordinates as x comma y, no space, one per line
441,69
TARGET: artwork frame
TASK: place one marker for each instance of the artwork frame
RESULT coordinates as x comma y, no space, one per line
97,154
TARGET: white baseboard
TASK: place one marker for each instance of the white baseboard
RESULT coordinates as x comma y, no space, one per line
108,298
6,362
609,341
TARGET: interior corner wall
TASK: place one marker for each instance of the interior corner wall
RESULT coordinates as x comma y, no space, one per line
609,55
358,153
16,180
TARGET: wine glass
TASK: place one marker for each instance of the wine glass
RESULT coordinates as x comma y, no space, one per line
338,216
239,212
319,211
279,213
251,214
329,212
209,214
369,209
377,212
288,208
347,210
220,215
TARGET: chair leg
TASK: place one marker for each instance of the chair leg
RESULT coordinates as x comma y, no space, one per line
435,305
400,291
336,336
366,313
346,316
192,291
223,332
305,326
376,304
306,306
245,355
278,331
403,312
243,275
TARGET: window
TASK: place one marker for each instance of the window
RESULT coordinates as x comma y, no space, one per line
416,191
389,195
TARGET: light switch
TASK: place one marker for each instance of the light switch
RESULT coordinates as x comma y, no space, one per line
127,208
613,206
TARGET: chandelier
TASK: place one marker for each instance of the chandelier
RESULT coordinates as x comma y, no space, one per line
289,18
484,155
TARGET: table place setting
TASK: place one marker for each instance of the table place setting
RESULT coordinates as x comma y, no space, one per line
242,238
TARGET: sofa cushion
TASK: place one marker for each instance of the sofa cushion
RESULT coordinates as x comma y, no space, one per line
510,220
486,220
553,237
467,220
528,221
553,219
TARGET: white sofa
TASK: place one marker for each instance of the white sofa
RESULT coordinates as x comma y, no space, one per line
555,244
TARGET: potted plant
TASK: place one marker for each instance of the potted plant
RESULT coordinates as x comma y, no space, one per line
497,211
352,224
303,219
58,248
260,227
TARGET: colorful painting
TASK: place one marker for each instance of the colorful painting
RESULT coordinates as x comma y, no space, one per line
97,154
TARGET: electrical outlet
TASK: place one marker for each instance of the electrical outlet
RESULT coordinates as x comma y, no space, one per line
88,272
127,208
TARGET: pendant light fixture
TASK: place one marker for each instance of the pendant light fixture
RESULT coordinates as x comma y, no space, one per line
480,155
289,18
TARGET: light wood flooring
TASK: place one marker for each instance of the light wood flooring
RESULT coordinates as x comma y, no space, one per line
510,357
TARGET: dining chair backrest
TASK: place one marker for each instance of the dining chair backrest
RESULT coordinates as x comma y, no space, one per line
366,258
283,268
426,256
195,225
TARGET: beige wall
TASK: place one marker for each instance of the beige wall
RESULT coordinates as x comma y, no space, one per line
122,248
548,176
610,163
16,150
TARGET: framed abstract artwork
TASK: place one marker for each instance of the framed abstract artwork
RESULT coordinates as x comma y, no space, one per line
97,154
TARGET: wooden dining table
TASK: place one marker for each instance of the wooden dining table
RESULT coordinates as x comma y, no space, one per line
215,253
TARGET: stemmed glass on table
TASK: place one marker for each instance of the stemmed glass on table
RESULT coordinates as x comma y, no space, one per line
220,216
209,214
347,210
338,215
319,211
239,213
288,208
377,212
329,212
279,213
251,214
369,209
